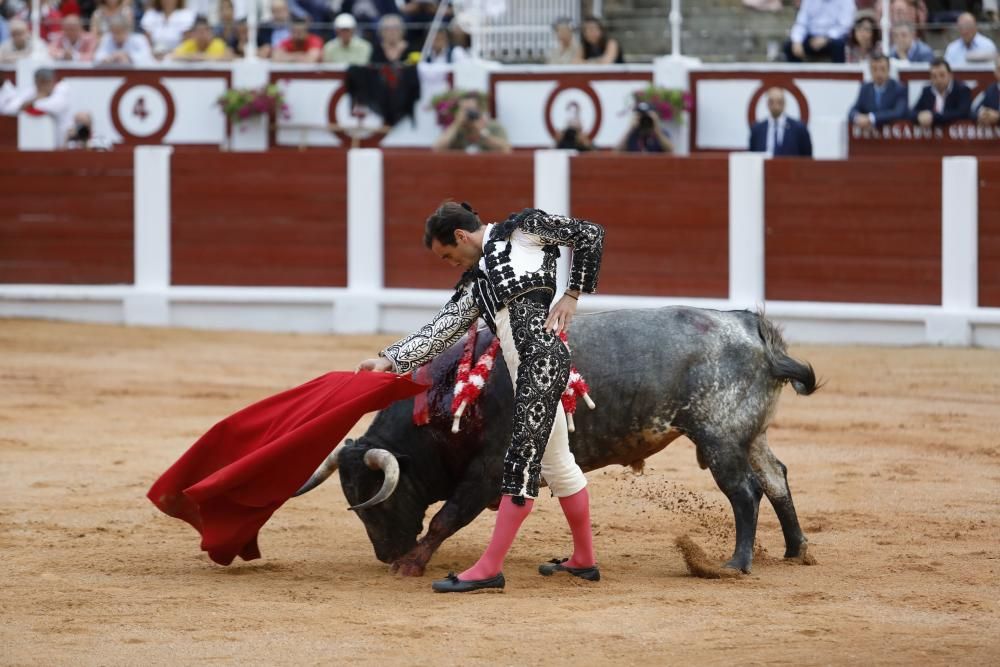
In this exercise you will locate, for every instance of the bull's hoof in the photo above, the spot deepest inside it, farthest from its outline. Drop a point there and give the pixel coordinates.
(408, 568)
(800, 555)
(739, 564)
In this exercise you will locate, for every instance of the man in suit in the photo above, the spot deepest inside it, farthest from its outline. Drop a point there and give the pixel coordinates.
(883, 100)
(988, 112)
(779, 135)
(945, 100)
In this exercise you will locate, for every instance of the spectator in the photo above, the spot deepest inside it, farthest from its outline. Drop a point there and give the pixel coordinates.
(597, 47)
(228, 28)
(108, 9)
(81, 135)
(944, 100)
(779, 135)
(460, 40)
(301, 46)
(988, 112)
(442, 51)
(72, 43)
(418, 15)
(4, 29)
(568, 50)
(19, 44)
(882, 100)
(347, 48)
(971, 46)
(369, 12)
(645, 134)
(473, 130)
(573, 137)
(46, 97)
(202, 45)
(865, 41)
(275, 31)
(913, 12)
(165, 23)
(820, 31)
(391, 47)
(906, 47)
(121, 46)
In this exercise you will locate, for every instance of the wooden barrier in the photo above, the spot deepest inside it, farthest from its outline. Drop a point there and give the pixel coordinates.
(864, 231)
(66, 218)
(666, 220)
(417, 182)
(989, 232)
(276, 219)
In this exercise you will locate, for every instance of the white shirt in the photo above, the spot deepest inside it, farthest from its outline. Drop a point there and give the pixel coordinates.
(939, 98)
(55, 105)
(781, 120)
(824, 18)
(982, 49)
(167, 32)
(136, 47)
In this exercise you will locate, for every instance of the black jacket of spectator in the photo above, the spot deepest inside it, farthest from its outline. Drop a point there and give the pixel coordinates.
(991, 99)
(890, 106)
(957, 105)
(795, 142)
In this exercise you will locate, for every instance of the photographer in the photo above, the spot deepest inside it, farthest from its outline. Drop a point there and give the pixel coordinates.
(473, 130)
(645, 134)
(81, 135)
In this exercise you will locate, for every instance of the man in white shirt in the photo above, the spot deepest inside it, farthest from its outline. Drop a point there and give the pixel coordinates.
(820, 31)
(121, 46)
(971, 46)
(45, 97)
(19, 44)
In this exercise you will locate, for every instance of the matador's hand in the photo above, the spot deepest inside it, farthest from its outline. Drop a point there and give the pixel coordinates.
(380, 364)
(561, 315)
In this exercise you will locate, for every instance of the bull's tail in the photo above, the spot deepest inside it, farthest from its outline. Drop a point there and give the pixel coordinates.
(784, 367)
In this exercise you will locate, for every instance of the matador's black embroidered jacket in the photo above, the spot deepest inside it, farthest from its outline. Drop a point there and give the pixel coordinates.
(519, 256)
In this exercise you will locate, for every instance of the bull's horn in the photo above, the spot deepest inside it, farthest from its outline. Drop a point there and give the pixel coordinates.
(384, 460)
(325, 469)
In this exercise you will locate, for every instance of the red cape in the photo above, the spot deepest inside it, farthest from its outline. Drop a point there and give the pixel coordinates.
(230, 482)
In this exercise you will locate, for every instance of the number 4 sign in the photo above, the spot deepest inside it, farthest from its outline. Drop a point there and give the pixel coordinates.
(142, 113)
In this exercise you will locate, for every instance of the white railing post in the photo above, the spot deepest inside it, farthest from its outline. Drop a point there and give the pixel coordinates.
(886, 25)
(675, 28)
(959, 252)
(746, 229)
(38, 52)
(358, 311)
(251, 49)
(148, 303)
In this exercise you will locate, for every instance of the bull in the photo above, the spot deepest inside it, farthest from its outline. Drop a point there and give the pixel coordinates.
(655, 375)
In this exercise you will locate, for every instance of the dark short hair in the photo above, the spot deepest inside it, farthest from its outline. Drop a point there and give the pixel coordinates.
(201, 20)
(449, 217)
(45, 74)
(879, 57)
(940, 62)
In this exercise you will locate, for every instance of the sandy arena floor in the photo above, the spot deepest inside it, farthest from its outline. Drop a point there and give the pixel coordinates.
(894, 466)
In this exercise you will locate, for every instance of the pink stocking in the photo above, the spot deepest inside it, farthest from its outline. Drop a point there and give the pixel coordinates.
(577, 510)
(509, 519)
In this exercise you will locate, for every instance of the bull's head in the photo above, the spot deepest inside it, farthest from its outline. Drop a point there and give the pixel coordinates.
(385, 498)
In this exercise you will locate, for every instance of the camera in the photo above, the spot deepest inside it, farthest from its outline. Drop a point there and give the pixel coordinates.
(472, 115)
(646, 121)
(81, 132)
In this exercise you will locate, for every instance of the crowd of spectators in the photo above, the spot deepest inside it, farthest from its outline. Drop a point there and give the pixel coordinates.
(303, 31)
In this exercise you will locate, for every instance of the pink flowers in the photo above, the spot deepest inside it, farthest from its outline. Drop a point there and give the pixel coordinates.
(242, 103)
(669, 103)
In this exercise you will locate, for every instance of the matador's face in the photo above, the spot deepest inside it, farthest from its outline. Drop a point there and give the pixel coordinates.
(465, 254)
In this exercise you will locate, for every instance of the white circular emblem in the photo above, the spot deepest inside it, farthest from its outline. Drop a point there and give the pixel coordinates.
(570, 106)
(142, 111)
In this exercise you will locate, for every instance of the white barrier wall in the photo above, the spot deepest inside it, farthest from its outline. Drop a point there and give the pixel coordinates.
(365, 306)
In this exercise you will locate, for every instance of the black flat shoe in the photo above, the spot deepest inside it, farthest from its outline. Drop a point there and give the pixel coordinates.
(452, 584)
(556, 565)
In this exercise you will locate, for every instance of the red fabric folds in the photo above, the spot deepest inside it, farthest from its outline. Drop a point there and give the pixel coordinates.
(230, 482)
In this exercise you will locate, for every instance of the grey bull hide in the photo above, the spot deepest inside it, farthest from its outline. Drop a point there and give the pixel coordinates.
(654, 374)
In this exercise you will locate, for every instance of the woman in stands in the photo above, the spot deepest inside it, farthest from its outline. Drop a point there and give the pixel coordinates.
(865, 39)
(107, 9)
(598, 48)
(165, 23)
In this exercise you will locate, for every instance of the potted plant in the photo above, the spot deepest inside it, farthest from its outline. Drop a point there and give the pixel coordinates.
(668, 103)
(445, 105)
(241, 104)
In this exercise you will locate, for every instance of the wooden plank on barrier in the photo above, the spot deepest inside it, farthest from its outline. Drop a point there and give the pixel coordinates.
(666, 219)
(989, 233)
(859, 231)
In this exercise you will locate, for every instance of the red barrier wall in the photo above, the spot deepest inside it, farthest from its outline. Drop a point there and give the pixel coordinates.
(989, 233)
(277, 219)
(417, 182)
(864, 231)
(66, 218)
(667, 222)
